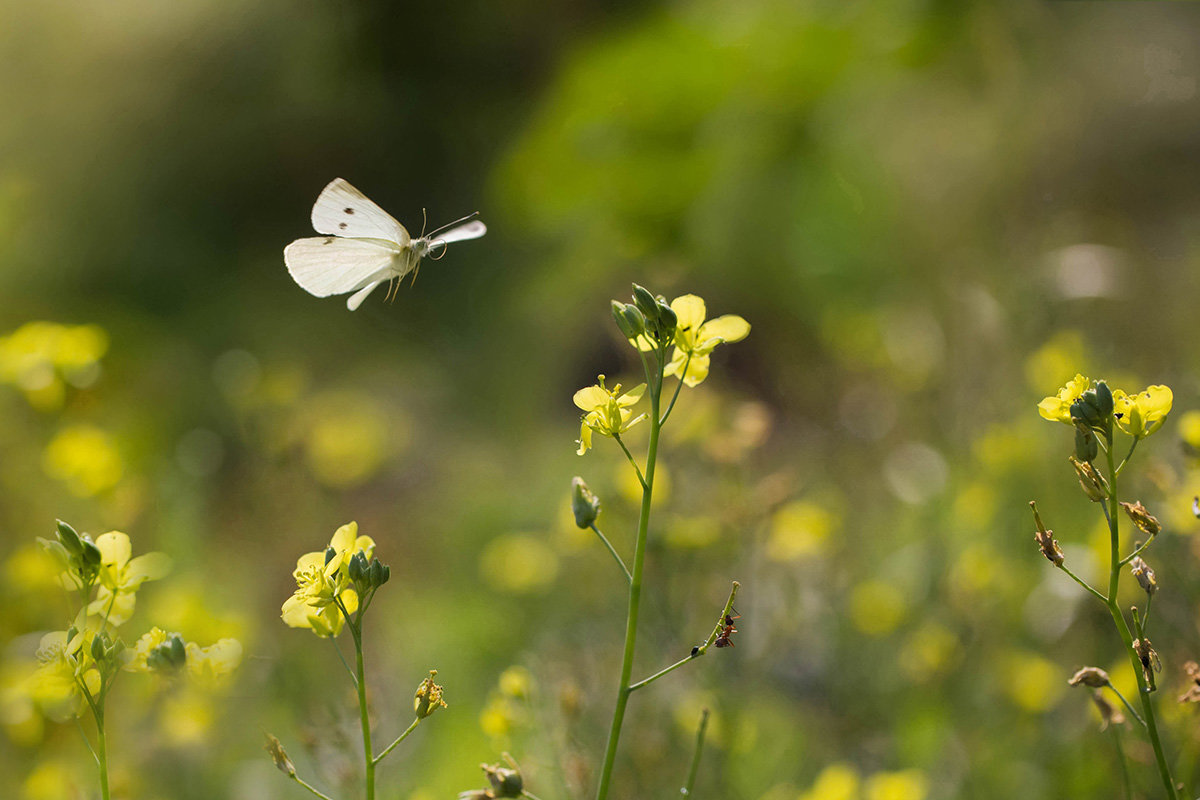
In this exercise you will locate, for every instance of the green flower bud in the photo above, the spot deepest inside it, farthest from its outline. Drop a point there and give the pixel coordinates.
(629, 320)
(584, 504)
(506, 782)
(358, 567)
(69, 538)
(169, 656)
(330, 554)
(380, 573)
(99, 647)
(91, 555)
(668, 320)
(1104, 396)
(1086, 446)
(646, 304)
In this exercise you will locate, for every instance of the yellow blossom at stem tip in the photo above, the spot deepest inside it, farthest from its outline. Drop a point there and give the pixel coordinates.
(696, 338)
(1142, 414)
(323, 584)
(1057, 408)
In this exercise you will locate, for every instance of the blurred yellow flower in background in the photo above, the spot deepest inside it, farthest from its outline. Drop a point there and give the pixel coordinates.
(877, 607)
(518, 563)
(349, 438)
(835, 782)
(85, 457)
(909, 784)
(40, 357)
(799, 529)
(64, 664)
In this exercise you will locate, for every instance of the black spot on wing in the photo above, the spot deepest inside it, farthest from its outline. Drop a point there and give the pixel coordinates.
(328, 240)
(348, 210)
(342, 225)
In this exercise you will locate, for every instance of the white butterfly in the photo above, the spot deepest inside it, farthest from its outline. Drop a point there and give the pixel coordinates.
(363, 246)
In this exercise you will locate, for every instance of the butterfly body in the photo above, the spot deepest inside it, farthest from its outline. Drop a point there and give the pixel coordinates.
(362, 247)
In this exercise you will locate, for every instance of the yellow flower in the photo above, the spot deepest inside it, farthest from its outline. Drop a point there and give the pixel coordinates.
(64, 664)
(1058, 407)
(606, 411)
(696, 338)
(121, 576)
(159, 651)
(86, 458)
(321, 581)
(1142, 414)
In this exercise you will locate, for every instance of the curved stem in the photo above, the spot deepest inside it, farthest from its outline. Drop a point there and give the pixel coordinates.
(632, 460)
(635, 587)
(660, 673)
(613, 550)
(298, 780)
(399, 739)
(1084, 584)
(682, 374)
(1128, 707)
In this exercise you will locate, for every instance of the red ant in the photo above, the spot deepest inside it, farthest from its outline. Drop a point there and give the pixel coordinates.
(724, 639)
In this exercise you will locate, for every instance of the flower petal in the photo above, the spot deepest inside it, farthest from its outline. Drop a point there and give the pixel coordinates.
(590, 398)
(343, 537)
(147, 567)
(114, 548)
(690, 310)
(729, 328)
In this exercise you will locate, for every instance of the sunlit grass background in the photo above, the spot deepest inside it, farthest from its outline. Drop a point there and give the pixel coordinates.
(933, 214)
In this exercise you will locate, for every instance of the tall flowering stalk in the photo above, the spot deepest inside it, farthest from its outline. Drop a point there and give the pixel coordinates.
(1096, 412)
(671, 340)
(334, 589)
(78, 666)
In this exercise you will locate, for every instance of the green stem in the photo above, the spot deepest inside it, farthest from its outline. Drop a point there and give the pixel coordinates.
(363, 714)
(399, 739)
(341, 658)
(698, 651)
(1136, 552)
(1128, 707)
(686, 791)
(613, 550)
(1116, 731)
(678, 386)
(635, 586)
(1123, 626)
(1084, 584)
(323, 796)
(632, 460)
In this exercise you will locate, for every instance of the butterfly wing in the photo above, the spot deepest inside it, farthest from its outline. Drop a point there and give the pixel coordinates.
(326, 265)
(472, 230)
(355, 300)
(342, 210)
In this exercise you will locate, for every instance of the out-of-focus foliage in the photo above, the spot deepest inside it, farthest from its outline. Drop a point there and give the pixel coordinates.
(934, 214)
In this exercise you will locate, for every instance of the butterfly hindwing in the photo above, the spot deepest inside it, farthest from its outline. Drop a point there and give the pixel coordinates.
(342, 210)
(327, 265)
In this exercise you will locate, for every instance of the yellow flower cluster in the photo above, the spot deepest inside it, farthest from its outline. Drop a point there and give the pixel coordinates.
(323, 585)
(1138, 415)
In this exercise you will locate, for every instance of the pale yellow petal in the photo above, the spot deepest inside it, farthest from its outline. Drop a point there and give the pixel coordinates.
(590, 398)
(690, 310)
(343, 537)
(729, 328)
(147, 567)
(114, 548)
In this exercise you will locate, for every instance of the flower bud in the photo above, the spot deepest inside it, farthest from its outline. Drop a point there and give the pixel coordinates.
(69, 538)
(1104, 399)
(1092, 482)
(1144, 574)
(1090, 676)
(91, 555)
(380, 573)
(584, 504)
(280, 756)
(646, 304)
(1146, 523)
(1086, 446)
(667, 320)
(428, 698)
(169, 656)
(629, 319)
(358, 567)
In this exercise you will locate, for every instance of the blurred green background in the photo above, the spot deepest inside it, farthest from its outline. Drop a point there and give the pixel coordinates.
(933, 214)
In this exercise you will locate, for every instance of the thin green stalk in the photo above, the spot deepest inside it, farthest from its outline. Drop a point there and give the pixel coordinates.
(363, 714)
(1123, 627)
(341, 658)
(1116, 731)
(399, 739)
(298, 780)
(613, 550)
(100, 753)
(697, 652)
(686, 791)
(1136, 552)
(632, 460)
(1084, 583)
(635, 585)
(678, 386)
(1128, 707)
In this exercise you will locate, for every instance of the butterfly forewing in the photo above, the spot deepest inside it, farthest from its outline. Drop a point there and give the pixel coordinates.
(342, 210)
(327, 265)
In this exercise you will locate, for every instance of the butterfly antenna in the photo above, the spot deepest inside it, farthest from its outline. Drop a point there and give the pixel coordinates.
(424, 220)
(472, 215)
(440, 253)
